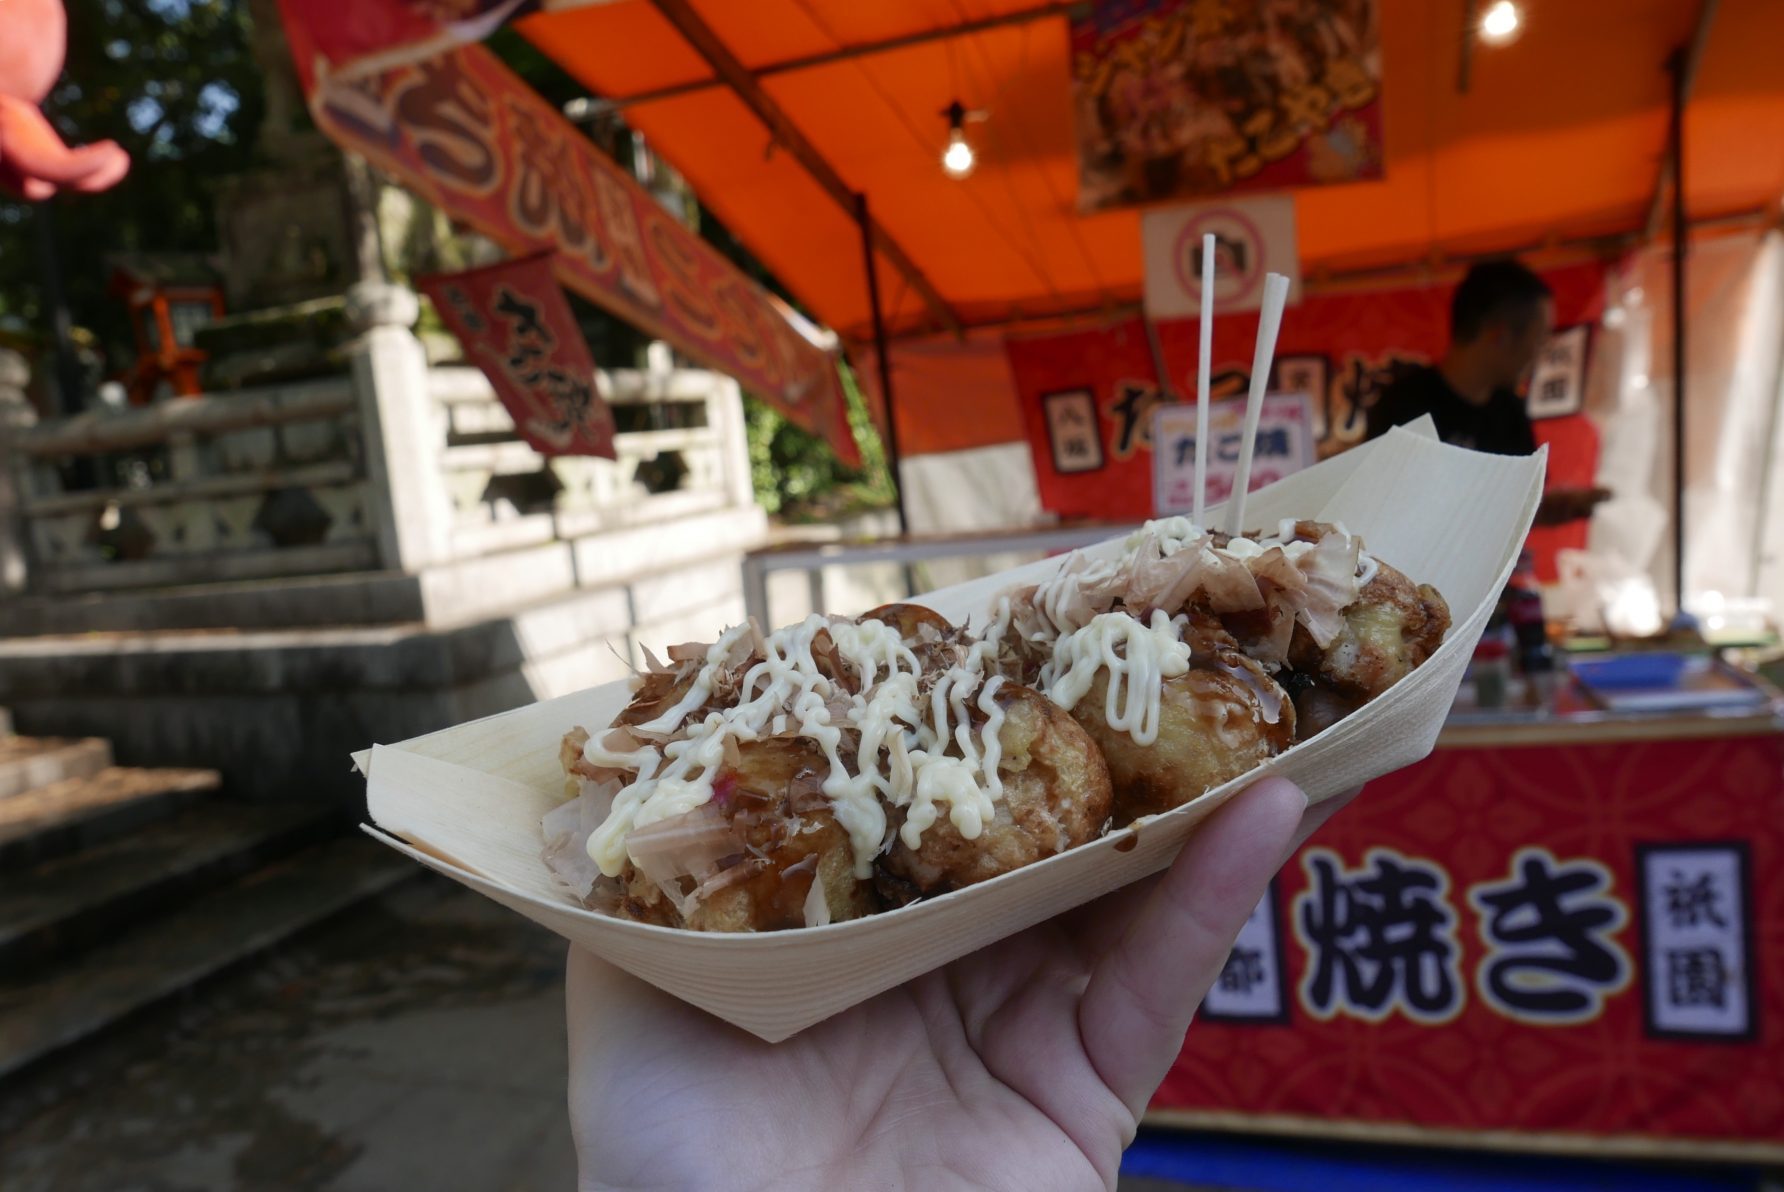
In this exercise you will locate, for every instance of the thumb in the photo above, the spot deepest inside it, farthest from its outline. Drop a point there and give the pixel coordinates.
(1145, 989)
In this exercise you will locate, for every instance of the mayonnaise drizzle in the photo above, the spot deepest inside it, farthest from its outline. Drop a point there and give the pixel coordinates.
(1138, 657)
(911, 756)
(914, 755)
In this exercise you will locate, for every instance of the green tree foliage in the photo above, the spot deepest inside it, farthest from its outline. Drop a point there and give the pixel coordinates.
(797, 475)
(794, 472)
(173, 82)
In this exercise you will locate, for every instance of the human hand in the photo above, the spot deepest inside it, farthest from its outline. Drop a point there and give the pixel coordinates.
(1025, 1065)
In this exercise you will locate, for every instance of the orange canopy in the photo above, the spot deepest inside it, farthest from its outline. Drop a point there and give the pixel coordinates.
(1560, 135)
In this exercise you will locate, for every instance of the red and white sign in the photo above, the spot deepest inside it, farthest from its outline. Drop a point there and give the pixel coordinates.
(1252, 237)
(1338, 349)
(1501, 943)
(514, 324)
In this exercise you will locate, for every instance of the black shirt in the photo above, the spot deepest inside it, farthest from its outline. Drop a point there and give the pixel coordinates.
(1501, 427)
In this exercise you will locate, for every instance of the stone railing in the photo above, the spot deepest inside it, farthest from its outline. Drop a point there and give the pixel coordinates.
(680, 446)
(241, 486)
(391, 467)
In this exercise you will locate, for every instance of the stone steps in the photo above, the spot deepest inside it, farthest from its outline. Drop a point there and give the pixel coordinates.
(27, 763)
(278, 711)
(154, 961)
(120, 887)
(78, 812)
(68, 903)
(358, 598)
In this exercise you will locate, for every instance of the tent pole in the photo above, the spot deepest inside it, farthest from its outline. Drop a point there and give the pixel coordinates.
(1465, 65)
(1693, 56)
(1154, 346)
(1680, 69)
(883, 358)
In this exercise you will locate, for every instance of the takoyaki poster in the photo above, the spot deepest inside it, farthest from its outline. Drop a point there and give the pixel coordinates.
(1177, 98)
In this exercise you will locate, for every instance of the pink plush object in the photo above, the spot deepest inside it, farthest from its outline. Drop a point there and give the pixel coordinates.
(34, 162)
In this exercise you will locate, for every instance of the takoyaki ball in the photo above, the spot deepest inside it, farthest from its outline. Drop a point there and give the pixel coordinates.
(1317, 706)
(936, 644)
(1223, 717)
(760, 845)
(1391, 628)
(910, 620)
(1055, 796)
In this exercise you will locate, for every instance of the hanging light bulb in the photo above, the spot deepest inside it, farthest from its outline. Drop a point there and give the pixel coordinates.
(1501, 22)
(958, 159)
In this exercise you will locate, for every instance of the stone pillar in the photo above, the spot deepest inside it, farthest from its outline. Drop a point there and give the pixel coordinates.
(15, 414)
(404, 429)
(725, 409)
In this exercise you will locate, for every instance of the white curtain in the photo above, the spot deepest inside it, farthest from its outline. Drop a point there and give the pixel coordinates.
(984, 488)
(1734, 320)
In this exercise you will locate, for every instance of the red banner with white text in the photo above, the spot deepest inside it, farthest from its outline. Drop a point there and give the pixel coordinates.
(467, 134)
(1340, 349)
(1580, 939)
(513, 323)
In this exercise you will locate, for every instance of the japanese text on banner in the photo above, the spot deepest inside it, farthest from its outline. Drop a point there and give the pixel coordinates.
(514, 323)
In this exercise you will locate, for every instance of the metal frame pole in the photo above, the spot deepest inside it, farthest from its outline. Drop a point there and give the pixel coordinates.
(884, 359)
(1681, 242)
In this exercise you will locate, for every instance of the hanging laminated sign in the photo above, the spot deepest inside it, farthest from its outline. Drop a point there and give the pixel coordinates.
(513, 322)
(1341, 350)
(1175, 98)
(1284, 445)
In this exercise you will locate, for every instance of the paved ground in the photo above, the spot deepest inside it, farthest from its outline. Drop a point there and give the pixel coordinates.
(417, 1043)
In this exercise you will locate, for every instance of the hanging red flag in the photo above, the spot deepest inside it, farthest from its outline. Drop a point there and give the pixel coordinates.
(513, 322)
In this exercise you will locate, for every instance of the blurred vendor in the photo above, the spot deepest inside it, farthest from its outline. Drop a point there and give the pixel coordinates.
(1500, 318)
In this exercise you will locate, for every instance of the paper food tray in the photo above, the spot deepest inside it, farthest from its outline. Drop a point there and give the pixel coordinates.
(467, 801)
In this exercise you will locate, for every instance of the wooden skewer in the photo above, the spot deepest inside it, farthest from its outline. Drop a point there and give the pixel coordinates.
(1202, 372)
(1268, 324)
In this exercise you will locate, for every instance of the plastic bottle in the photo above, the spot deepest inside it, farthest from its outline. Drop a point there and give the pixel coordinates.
(1492, 672)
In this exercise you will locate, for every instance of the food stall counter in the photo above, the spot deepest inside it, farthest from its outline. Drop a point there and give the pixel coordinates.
(1563, 930)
